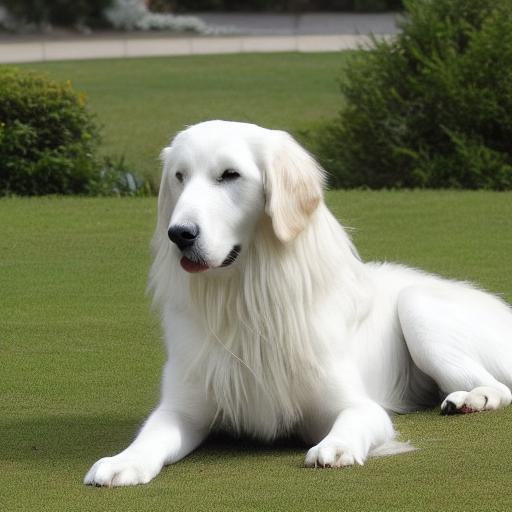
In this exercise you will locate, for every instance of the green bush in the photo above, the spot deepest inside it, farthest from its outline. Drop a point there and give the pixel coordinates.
(433, 107)
(48, 142)
(47, 136)
(58, 12)
(116, 178)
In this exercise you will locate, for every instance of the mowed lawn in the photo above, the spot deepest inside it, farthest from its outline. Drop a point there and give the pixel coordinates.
(81, 358)
(142, 103)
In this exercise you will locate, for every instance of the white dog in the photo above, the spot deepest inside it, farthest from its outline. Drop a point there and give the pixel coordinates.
(275, 326)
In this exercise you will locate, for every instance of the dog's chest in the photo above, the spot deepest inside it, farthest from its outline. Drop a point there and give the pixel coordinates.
(256, 394)
(259, 355)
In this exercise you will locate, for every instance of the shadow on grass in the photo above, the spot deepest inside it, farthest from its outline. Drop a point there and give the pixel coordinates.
(89, 437)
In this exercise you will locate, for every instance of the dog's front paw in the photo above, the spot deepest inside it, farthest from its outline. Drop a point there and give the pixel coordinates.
(120, 470)
(332, 453)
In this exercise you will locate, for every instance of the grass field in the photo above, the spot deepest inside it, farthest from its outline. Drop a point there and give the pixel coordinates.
(81, 362)
(141, 103)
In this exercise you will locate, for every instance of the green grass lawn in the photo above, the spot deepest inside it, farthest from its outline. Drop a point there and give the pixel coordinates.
(81, 358)
(141, 103)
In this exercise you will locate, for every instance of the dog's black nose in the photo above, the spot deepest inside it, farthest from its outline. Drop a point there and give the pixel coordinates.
(183, 235)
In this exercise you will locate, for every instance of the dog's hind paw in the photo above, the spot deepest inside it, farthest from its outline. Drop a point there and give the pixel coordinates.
(483, 398)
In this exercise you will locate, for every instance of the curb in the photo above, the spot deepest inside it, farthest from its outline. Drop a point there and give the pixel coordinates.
(130, 48)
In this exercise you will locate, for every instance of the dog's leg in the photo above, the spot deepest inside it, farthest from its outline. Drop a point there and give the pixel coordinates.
(165, 438)
(178, 425)
(357, 430)
(459, 343)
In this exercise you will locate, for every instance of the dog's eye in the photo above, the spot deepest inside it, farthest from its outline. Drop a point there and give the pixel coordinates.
(179, 176)
(228, 175)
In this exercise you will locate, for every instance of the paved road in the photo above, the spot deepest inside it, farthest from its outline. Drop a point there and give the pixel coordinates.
(254, 33)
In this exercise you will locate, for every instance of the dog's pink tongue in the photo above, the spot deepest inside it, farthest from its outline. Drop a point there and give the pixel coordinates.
(192, 266)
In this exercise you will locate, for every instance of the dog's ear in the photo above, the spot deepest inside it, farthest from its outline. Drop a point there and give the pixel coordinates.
(293, 184)
(160, 245)
(164, 197)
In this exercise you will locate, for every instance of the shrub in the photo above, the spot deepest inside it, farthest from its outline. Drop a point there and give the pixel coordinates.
(48, 142)
(276, 5)
(432, 108)
(47, 136)
(57, 12)
(116, 178)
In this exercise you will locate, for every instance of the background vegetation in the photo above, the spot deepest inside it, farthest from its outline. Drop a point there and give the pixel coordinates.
(279, 5)
(49, 141)
(30, 14)
(58, 12)
(47, 137)
(432, 108)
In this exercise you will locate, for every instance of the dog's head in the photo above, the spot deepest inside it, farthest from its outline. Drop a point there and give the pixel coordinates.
(221, 178)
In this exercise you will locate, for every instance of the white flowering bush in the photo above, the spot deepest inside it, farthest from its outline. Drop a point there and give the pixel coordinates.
(125, 14)
(134, 15)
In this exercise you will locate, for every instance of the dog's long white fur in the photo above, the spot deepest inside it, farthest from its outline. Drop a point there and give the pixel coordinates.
(299, 336)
